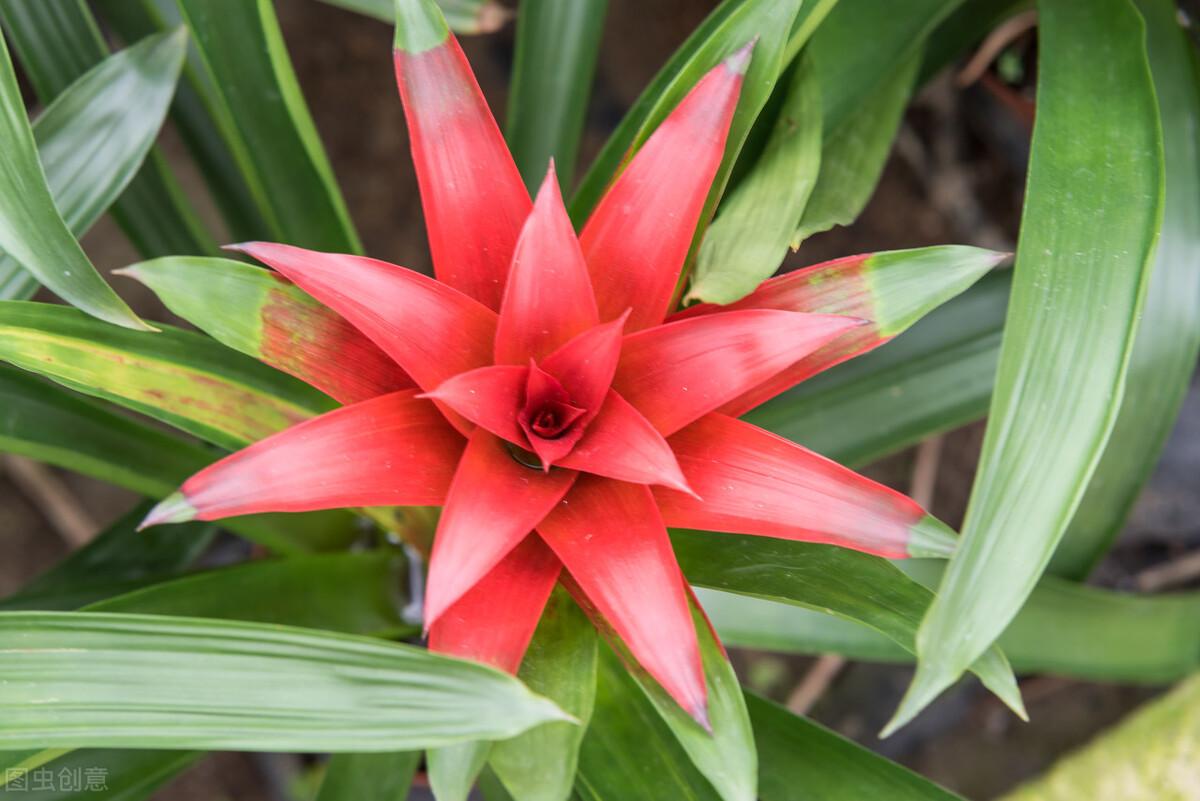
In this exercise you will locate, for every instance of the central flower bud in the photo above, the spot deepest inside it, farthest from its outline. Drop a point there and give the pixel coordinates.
(548, 417)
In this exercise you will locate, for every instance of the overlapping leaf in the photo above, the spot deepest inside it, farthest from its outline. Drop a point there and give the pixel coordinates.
(120, 680)
(1168, 335)
(31, 230)
(1087, 237)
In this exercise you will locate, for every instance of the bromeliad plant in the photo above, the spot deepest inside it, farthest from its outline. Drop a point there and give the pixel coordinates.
(573, 403)
(560, 414)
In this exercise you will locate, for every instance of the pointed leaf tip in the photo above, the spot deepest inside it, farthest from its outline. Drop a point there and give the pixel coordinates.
(931, 538)
(175, 508)
(739, 61)
(420, 26)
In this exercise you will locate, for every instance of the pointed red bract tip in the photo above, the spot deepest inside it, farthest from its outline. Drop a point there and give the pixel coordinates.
(175, 508)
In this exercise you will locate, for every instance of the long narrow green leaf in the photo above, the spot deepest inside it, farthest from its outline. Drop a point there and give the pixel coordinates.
(369, 777)
(120, 559)
(463, 16)
(58, 42)
(802, 761)
(853, 159)
(90, 154)
(276, 146)
(934, 377)
(853, 64)
(31, 229)
(560, 664)
(47, 423)
(725, 756)
(1168, 333)
(730, 26)
(202, 119)
(141, 681)
(182, 378)
(1066, 629)
(749, 237)
(628, 753)
(555, 61)
(849, 584)
(97, 775)
(358, 593)
(1091, 218)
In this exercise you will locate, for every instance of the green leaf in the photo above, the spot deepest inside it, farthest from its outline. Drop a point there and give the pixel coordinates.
(853, 64)
(852, 585)
(726, 755)
(802, 761)
(629, 753)
(44, 422)
(179, 377)
(58, 42)
(141, 681)
(560, 664)
(729, 27)
(272, 137)
(369, 777)
(360, 593)
(1087, 236)
(1151, 756)
(853, 158)
(31, 230)
(118, 560)
(749, 238)
(1064, 628)
(198, 113)
(453, 768)
(1168, 335)
(463, 16)
(555, 61)
(124, 775)
(90, 154)
(934, 377)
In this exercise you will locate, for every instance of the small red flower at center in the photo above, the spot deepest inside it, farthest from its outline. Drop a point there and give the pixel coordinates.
(559, 415)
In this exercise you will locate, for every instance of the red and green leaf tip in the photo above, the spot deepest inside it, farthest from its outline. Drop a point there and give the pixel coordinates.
(560, 416)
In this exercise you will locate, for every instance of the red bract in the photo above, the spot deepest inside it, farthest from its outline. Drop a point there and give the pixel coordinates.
(561, 420)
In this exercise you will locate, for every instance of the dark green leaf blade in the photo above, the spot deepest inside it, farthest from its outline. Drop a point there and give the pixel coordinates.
(118, 560)
(31, 229)
(849, 584)
(89, 154)
(629, 753)
(756, 221)
(1091, 218)
(45, 422)
(143, 681)
(58, 41)
(369, 777)
(276, 144)
(560, 664)
(1065, 629)
(555, 61)
(98, 775)
(1168, 336)
(802, 761)
(198, 113)
(932, 378)
(852, 160)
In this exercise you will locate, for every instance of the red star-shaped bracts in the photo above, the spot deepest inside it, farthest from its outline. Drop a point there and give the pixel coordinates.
(560, 418)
